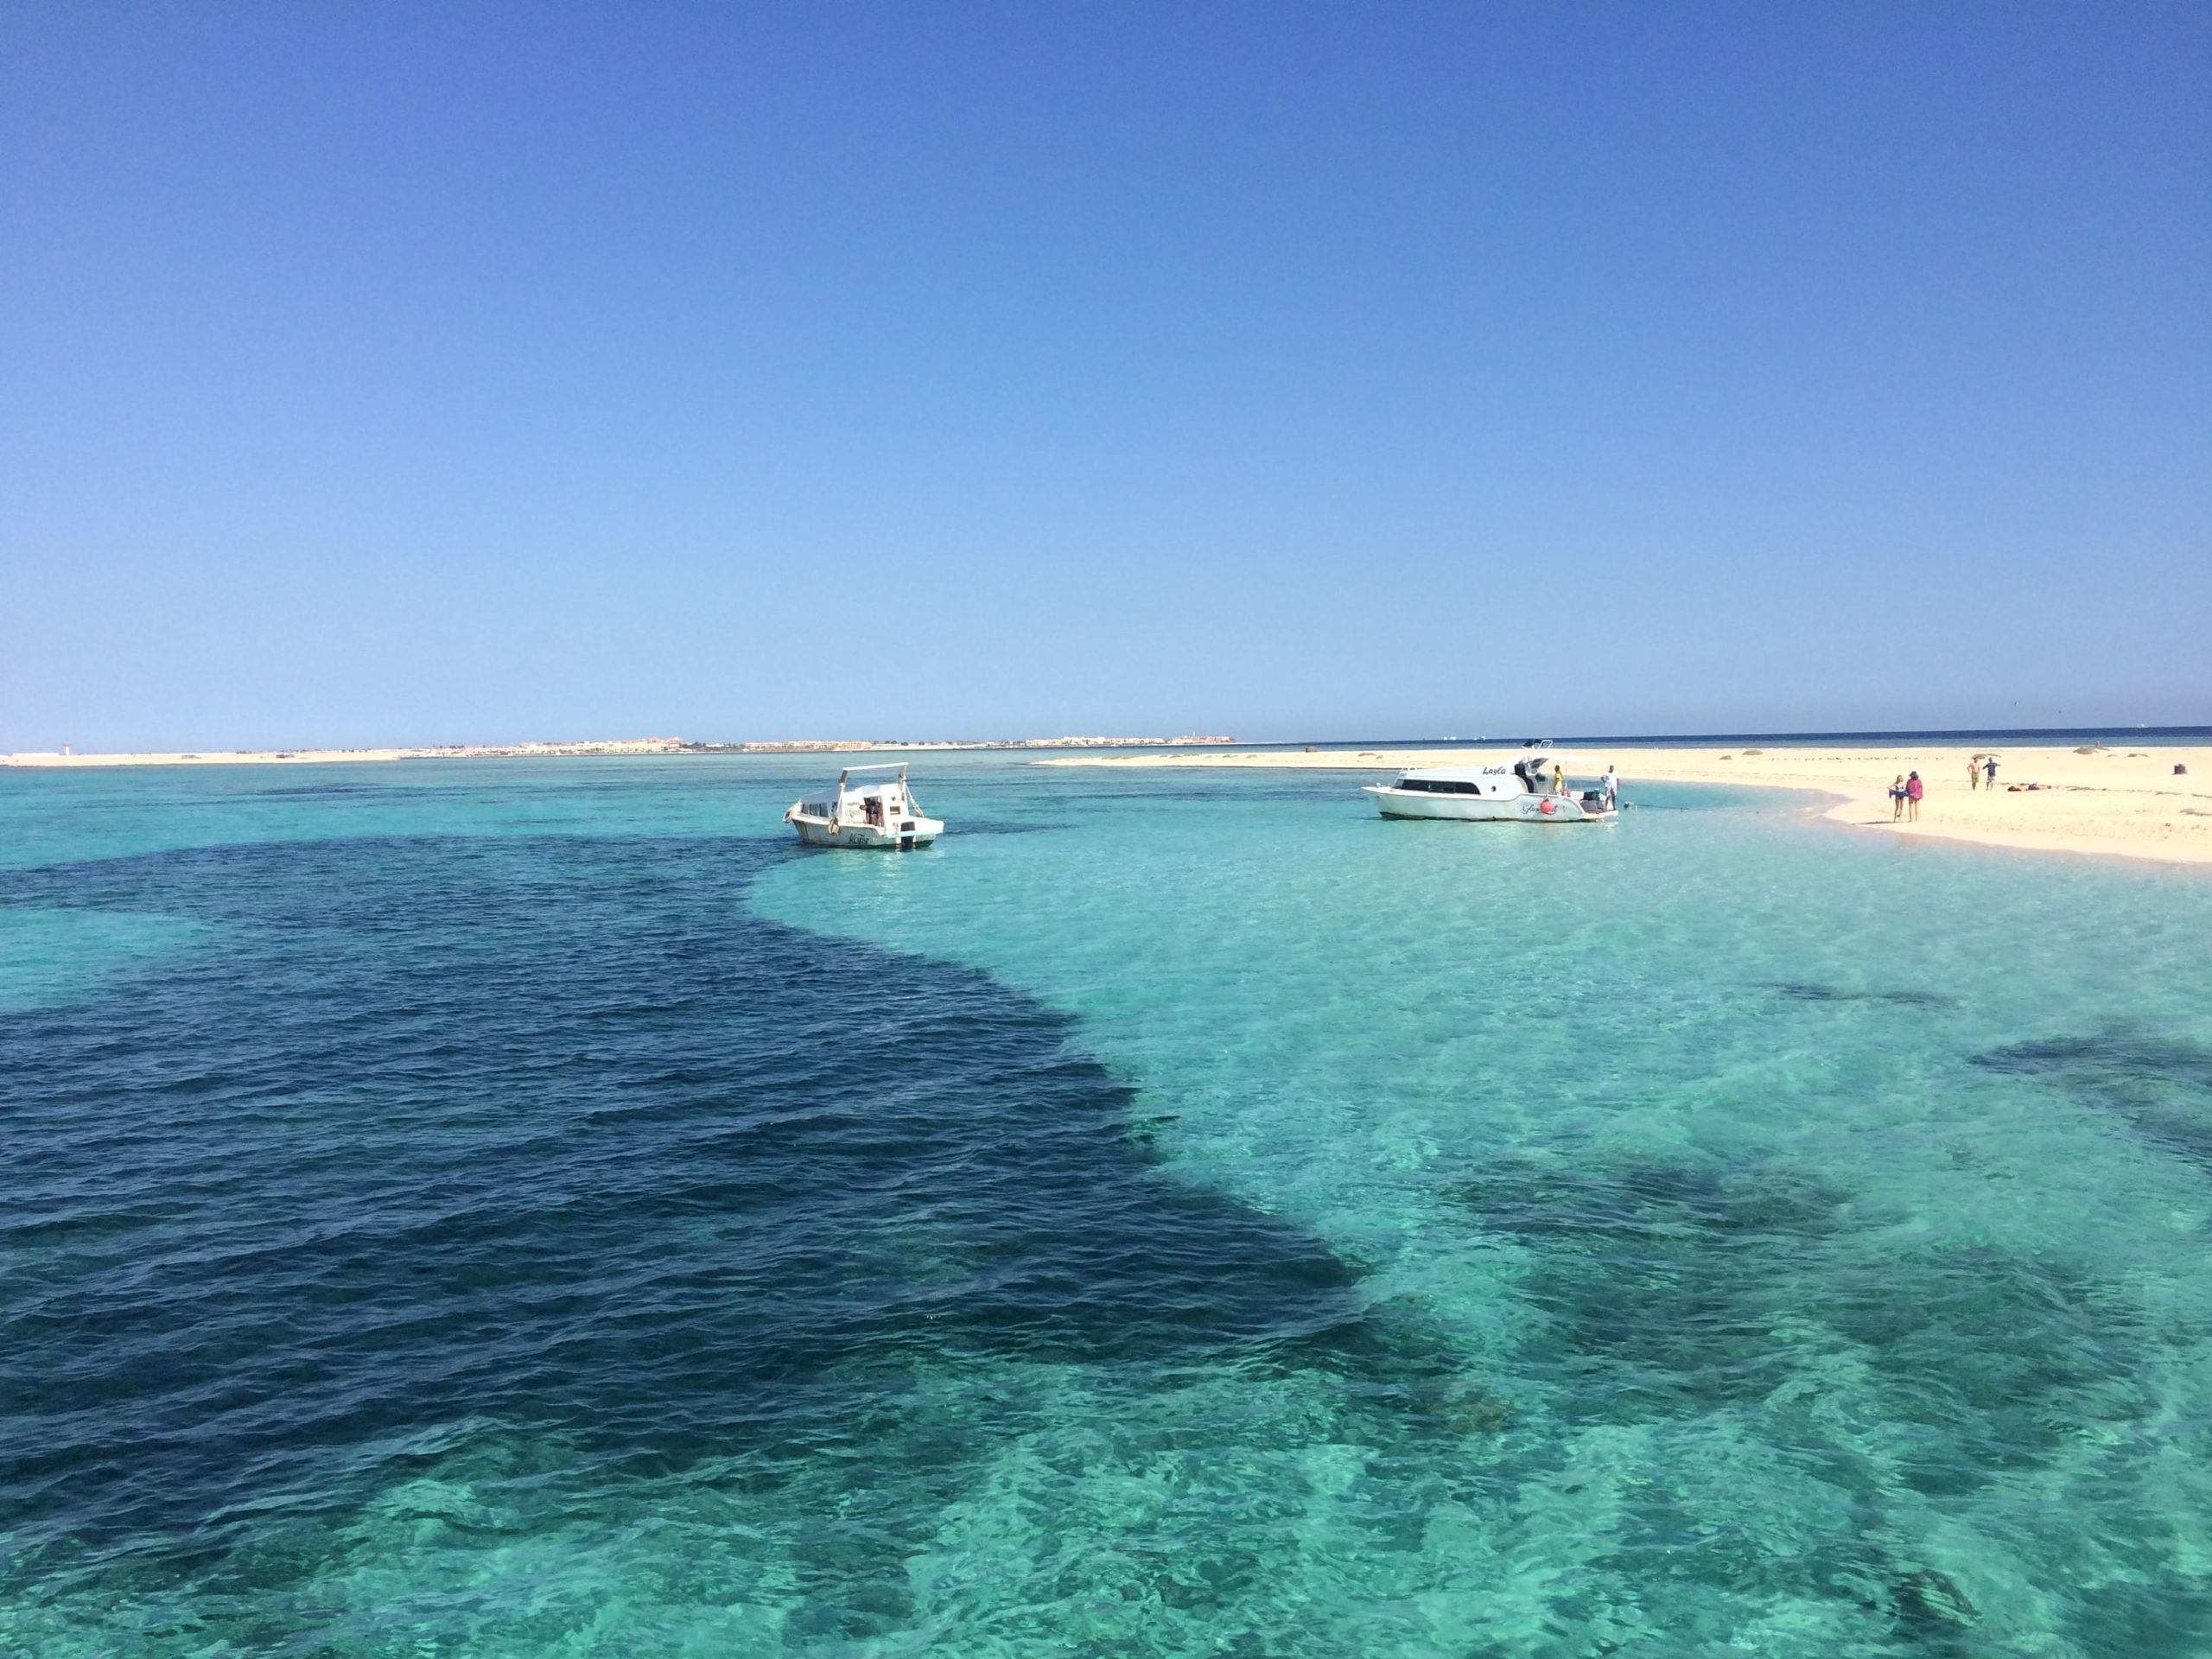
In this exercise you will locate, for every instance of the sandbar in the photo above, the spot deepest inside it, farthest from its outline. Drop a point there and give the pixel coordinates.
(2116, 801)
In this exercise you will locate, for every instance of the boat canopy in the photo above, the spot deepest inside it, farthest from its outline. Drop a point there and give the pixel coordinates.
(899, 766)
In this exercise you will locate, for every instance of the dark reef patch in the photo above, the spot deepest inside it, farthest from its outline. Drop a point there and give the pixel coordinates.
(1805, 993)
(551, 1133)
(1665, 1204)
(1664, 1290)
(2010, 1360)
(1658, 1285)
(2116, 1059)
(2161, 1087)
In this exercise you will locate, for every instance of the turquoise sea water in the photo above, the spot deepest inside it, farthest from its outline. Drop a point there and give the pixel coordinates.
(531, 1209)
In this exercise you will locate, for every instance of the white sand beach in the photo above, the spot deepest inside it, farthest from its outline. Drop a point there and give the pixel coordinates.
(2116, 801)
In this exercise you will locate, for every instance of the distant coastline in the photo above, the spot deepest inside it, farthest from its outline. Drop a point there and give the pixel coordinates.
(591, 747)
(814, 746)
(2068, 736)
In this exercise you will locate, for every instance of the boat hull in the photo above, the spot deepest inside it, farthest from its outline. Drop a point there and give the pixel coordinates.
(1482, 809)
(893, 837)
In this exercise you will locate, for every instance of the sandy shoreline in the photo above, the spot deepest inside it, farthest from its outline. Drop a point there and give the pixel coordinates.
(2119, 802)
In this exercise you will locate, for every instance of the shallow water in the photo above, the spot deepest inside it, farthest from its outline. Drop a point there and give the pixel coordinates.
(529, 1208)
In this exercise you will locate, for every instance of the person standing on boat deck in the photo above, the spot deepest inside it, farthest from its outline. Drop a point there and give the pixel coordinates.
(1559, 778)
(1914, 789)
(1611, 783)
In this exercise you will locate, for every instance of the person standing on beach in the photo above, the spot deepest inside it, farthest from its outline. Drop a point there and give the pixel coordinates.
(1991, 768)
(1896, 798)
(1914, 789)
(1974, 772)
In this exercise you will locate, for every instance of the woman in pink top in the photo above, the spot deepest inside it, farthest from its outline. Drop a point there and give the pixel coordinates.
(1914, 789)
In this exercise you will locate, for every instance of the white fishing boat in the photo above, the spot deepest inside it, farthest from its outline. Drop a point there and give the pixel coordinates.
(1511, 789)
(880, 816)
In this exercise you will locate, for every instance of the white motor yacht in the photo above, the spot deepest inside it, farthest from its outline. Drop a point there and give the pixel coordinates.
(1515, 788)
(880, 816)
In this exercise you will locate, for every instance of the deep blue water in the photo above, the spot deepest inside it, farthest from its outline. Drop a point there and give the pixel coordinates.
(554, 1134)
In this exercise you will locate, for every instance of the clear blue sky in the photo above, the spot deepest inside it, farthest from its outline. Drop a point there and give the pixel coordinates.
(380, 372)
